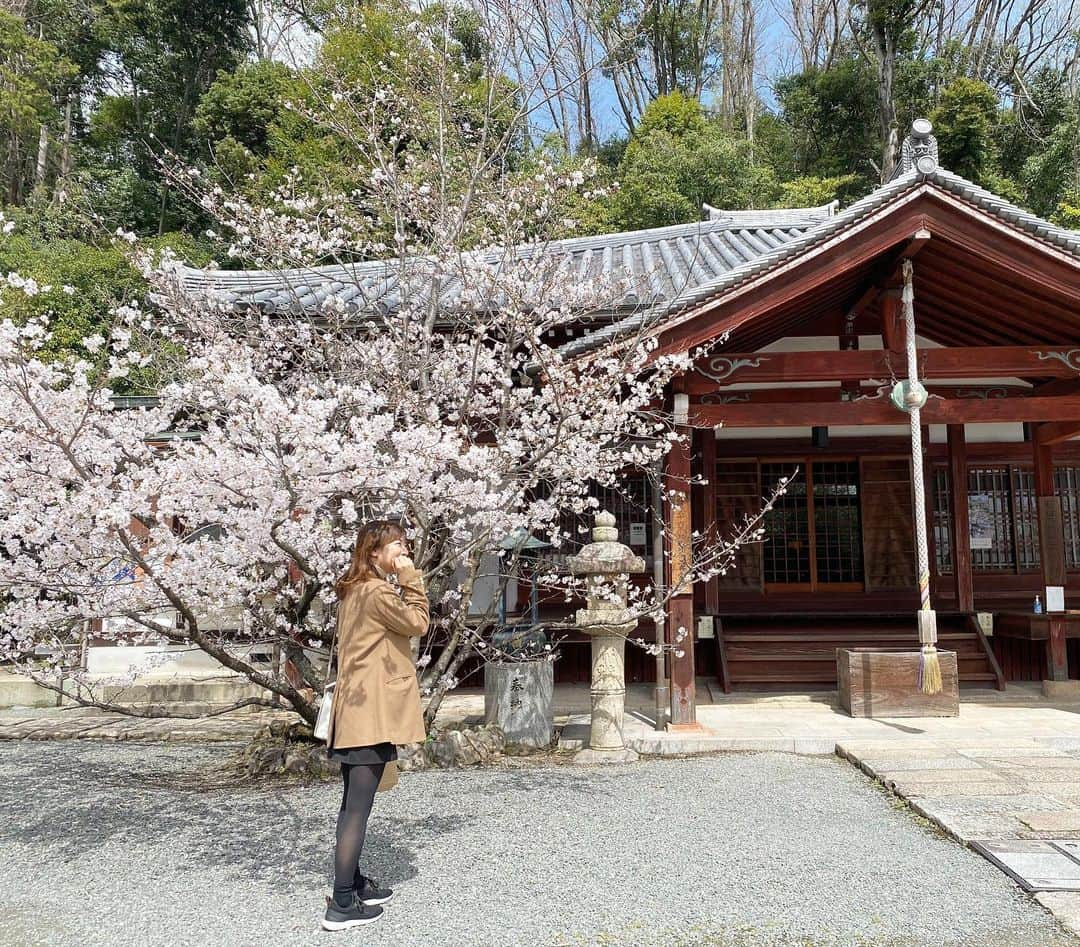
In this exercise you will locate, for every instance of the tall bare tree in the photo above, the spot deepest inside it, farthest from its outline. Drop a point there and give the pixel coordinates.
(817, 28)
(884, 22)
(558, 52)
(654, 47)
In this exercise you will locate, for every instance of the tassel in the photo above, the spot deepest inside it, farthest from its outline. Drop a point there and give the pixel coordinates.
(929, 670)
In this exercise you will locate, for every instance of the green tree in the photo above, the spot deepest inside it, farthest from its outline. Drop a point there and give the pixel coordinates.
(811, 191)
(831, 114)
(889, 26)
(379, 67)
(244, 104)
(1067, 213)
(78, 283)
(1045, 104)
(678, 160)
(236, 115)
(32, 76)
(1051, 177)
(964, 123)
(168, 53)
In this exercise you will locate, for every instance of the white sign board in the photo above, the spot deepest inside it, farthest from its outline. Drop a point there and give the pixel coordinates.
(981, 520)
(1055, 598)
(638, 534)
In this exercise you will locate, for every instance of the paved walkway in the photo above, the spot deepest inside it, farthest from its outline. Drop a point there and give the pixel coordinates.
(814, 723)
(800, 723)
(1018, 787)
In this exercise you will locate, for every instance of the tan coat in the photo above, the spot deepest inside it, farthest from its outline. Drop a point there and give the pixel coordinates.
(377, 698)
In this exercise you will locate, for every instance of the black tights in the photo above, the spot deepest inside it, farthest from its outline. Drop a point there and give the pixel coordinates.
(360, 783)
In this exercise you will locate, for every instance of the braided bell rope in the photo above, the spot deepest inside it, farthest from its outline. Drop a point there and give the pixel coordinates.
(921, 546)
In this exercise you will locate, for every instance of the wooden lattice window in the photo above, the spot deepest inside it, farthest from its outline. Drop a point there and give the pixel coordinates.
(812, 534)
(837, 538)
(990, 516)
(786, 551)
(738, 496)
(942, 522)
(1003, 517)
(1025, 518)
(1067, 486)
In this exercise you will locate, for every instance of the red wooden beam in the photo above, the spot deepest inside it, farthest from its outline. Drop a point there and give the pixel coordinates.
(1056, 431)
(881, 411)
(833, 393)
(1060, 386)
(726, 368)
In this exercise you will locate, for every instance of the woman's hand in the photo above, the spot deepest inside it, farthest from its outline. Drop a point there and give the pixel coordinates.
(404, 562)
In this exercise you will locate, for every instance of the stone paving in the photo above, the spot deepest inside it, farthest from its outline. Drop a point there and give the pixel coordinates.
(980, 789)
(814, 724)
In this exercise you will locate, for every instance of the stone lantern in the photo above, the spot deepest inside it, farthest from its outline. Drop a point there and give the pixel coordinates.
(606, 564)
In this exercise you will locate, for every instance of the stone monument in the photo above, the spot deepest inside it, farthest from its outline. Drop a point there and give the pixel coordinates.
(606, 564)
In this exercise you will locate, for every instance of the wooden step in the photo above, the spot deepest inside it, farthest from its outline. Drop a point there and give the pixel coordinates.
(823, 654)
(908, 637)
(801, 650)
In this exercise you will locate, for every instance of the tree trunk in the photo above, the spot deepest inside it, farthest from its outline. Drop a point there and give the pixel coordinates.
(885, 50)
(42, 156)
(442, 686)
(746, 68)
(65, 152)
(728, 58)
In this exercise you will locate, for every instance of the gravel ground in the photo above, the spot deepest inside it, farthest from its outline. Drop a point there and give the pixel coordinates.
(107, 844)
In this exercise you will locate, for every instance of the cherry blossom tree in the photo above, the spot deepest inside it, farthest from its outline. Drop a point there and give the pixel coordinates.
(430, 385)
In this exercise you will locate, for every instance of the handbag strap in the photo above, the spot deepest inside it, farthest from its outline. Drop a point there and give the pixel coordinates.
(333, 646)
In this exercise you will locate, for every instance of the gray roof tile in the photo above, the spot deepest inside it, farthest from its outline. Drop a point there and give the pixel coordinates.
(660, 263)
(804, 240)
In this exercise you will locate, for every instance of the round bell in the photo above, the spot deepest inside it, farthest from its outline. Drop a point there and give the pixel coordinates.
(907, 397)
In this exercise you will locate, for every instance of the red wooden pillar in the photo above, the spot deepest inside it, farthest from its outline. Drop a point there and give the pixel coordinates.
(1052, 555)
(710, 527)
(961, 528)
(680, 613)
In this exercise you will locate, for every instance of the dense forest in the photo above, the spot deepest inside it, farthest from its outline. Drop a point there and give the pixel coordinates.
(735, 103)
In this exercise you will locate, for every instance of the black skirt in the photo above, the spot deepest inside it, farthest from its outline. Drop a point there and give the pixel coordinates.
(363, 755)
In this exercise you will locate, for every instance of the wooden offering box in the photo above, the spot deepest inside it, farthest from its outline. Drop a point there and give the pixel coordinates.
(886, 684)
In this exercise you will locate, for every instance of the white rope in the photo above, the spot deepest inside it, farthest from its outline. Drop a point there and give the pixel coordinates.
(922, 555)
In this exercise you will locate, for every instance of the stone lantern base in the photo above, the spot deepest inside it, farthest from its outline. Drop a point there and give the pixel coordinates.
(591, 757)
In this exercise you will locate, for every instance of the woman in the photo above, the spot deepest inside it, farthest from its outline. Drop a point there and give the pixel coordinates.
(376, 701)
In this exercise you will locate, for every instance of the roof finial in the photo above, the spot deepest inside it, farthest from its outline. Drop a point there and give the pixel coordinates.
(919, 151)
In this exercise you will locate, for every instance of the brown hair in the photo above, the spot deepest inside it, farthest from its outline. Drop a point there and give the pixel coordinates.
(371, 538)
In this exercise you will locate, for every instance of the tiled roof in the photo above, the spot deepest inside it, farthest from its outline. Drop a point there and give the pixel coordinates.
(661, 264)
(776, 217)
(650, 317)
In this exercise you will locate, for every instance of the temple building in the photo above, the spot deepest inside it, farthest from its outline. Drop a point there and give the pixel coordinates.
(808, 305)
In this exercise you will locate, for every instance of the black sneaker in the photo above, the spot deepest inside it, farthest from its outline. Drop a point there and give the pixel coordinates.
(370, 892)
(338, 918)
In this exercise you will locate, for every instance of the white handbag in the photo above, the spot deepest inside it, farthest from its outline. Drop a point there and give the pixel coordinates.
(326, 711)
(326, 705)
